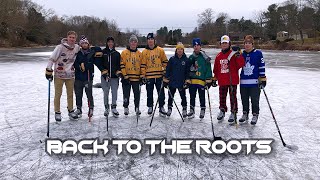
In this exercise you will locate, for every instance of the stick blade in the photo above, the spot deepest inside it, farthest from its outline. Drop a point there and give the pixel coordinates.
(217, 138)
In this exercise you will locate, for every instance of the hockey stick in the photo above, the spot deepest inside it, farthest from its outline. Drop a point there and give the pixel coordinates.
(154, 110)
(293, 147)
(175, 104)
(214, 137)
(88, 98)
(137, 113)
(231, 87)
(48, 118)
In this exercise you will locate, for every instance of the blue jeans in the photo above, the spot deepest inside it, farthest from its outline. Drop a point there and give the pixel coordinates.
(193, 92)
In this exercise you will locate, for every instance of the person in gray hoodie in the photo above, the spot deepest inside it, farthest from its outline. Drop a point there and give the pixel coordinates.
(63, 58)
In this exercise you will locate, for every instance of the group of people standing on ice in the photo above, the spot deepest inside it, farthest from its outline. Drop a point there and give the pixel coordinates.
(74, 67)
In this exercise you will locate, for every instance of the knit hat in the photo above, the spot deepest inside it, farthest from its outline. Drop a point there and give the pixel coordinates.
(133, 38)
(180, 46)
(225, 38)
(110, 38)
(150, 36)
(196, 41)
(83, 39)
(249, 38)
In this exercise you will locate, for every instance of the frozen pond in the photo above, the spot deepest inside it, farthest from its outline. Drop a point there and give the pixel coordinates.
(292, 88)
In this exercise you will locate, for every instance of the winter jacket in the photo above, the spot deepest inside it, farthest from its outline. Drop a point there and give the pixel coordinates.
(222, 66)
(200, 69)
(63, 57)
(155, 61)
(88, 58)
(131, 64)
(253, 69)
(177, 71)
(111, 61)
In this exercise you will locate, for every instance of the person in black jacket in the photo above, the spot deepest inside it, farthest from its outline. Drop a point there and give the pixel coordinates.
(177, 77)
(84, 71)
(111, 61)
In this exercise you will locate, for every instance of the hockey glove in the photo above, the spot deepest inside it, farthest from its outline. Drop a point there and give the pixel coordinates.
(49, 75)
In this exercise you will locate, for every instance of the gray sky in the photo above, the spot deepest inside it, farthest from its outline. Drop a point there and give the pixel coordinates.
(148, 16)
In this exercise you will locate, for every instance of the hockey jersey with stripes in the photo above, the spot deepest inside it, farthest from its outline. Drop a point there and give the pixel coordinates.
(253, 69)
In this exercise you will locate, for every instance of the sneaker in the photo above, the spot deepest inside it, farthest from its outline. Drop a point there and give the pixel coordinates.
(126, 111)
(169, 111)
(114, 111)
(73, 114)
(231, 118)
(244, 117)
(191, 113)
(79, 112)
(150, 110)
(57, 116)
(162, 112)
(221, 115)
(254, 119)
(138, 112)
(202, 113)
(184, 112)
(90, 112)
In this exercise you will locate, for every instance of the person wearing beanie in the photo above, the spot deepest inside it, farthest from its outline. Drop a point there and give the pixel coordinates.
(226, 66)
(155, 61)
(84, 71)
(201, 77)
(111, 62)
(177, 78)
(132, 71)
(252, 78)
(63, 57)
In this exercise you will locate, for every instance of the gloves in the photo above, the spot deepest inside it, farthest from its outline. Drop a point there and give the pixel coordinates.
(165, 84)
(119, 74)
(262, 82)
(49, 75)
(143, 81)
(125, 81)
(238, 49)
(186, 84)
(214, 83)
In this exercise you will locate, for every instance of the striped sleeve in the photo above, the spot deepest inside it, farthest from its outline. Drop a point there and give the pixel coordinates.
(262, 68)
(143, 65)
(123, 65)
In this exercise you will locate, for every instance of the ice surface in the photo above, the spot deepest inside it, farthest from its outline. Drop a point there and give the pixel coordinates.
(292, 88)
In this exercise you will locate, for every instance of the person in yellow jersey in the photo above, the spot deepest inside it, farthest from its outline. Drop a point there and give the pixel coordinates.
(131, 74)
(156, 62)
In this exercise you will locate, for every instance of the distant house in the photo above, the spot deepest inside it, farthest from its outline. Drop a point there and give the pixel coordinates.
(282, 36)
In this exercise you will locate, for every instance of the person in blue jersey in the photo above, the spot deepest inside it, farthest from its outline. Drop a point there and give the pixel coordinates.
(252, 79)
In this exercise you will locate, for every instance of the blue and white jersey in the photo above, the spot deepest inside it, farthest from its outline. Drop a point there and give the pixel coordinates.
(253, 69)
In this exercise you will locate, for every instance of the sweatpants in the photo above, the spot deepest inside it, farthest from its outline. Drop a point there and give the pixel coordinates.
(58, 84)
(150, 86)
(193, 93)
(223, 91)
(78, 89)
(136, 93)
(183, 97)
(114, 83)
(254, 94)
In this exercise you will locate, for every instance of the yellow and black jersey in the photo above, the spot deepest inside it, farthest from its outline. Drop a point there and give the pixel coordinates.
(131, 64)
(155, 61)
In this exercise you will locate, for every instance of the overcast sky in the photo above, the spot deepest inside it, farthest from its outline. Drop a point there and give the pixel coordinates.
(148, 16)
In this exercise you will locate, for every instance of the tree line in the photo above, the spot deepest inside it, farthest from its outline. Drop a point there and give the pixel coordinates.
(23, 22)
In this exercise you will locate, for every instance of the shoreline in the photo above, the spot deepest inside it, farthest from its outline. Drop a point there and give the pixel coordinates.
(294, 48)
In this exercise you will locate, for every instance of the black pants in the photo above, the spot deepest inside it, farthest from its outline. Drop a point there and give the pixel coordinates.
(193, 92)
(78, 89)
(150, 86)
(182, 93)
(126, 93)
(254, 94)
